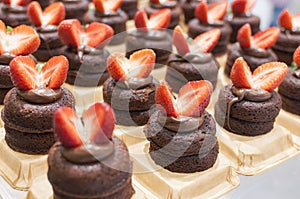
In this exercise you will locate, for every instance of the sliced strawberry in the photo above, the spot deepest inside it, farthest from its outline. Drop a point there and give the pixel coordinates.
(96, 34)
(244, 36)
(242, 6)
(158, 20)
(194, 97)
(16, 2)
(296, 56)
(54, 72)
(269, 76)
(207, 41)
(141, 20)
(2, 36)
(65, 125)
(285, 19)
(140, 64)
(107, 5)
(201, 12)
(214, 12)
(69, 32)
(35, 12)
(180, 41)
(23, 73)
(99, 122)
(240, 74)
(267, 38)
(164, 97)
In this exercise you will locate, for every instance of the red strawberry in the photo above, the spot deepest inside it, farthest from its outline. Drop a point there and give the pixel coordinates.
(214, 12)
(267, 38)
(296, 20)
(240, 74)
(158, 20)
(99, 121)
(2, 36)
(65, 125)
(52, 15)
(164, 97)
(55, 71)
(140, 64)
(180, 41)
(23, 73)
(285, 19)
(16, 2)
(194, 97)
(242, 6)
(69, 32)
(296, 56)
(207, 41)
(244, 36)
(107, 5)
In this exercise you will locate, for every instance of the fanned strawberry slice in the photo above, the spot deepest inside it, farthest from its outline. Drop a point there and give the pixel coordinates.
(267, 38)
(66, 126)
(107, 5)
(99, 122)
(164, 97)
(16, 2)
(139, 65)
(55, 71)
(242, 6)
(157, 20)
(69, 32)
(288, 21)
(180, 41)
(194, 97)
(23, 73)
(52, 15)
(205, 42)
(296, 56)
(214, 12)
(240, 74)
(244, 36)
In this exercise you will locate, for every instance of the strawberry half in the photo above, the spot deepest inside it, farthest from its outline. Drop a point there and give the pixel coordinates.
(107, 5)
(52, 15)
(157, 20)
(26, 76)
(192, 99)
(267, 76)
(16, 2)
(180, 42)
(94, 35)
(65, 125)
(244, 36)
(99, 122)
(296, 56)
(139, 65)
(214, 12)
(288, 21)
(242, 6)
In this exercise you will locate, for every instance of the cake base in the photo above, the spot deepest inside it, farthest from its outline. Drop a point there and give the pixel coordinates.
(41, 188)
(253, 155)
(157, 182)
(20, 169)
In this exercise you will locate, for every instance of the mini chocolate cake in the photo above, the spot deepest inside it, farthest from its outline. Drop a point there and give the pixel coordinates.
(174, 6)
(110, 178)
(188, 8)
(13, 15)
(28, 125)
(75, 9)
(130, 7)
(183, 152)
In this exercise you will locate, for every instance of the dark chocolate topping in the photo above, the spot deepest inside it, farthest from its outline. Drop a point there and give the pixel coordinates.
(151, 35)
(14, 8)
(70, 1)
(84, 49)
(106, 14)
(199, 58)
(296, 73)
(40, 95)
(256, 52)
(216, 23)
(135, 83)
(45, 29)
(182, 124)
(166, 4)
(88, 153)
(6, 58)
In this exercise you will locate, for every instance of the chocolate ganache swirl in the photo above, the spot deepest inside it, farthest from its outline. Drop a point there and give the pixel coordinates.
(41, 95)
(255, 52)
(199, 58)
(45, 29)
(296, 73)
(166, 4)
(136, 83)
(106, 13)
(14, 8)
(155, 35)
(6, 57)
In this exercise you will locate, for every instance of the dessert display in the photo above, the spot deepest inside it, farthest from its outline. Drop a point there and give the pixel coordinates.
(75, 9)
(87, 161)
(241, 14)
(173, 5)
(193, 61)
(109, 12)
(14, 13)
(85, 51)
(256, 49)
(131, 89)
(250, 106)
(289, 37)
(21, 40)
(29, 107)
(130, 7)
(289, 90)
(209, 17)
(151, 33)
(188, 8)
(46, 23)
(182, 134)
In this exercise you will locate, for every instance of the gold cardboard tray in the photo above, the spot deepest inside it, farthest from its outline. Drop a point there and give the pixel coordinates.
(19, 169)
(253, 155)
(42, 189)
(157, 182)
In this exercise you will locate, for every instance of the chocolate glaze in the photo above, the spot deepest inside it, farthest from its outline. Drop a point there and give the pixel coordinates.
(167, 4)
(296, 73)
(256, 52)
(40, 95)
(106, 14)
(135, 83)
(49, 28)
(182, 124)
(151, 35)
(6, 58)
(69, 1)
(14, 8)
(88, 153)
(199, 58)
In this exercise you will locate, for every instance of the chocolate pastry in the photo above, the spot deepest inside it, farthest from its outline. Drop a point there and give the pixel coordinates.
(13, 15)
